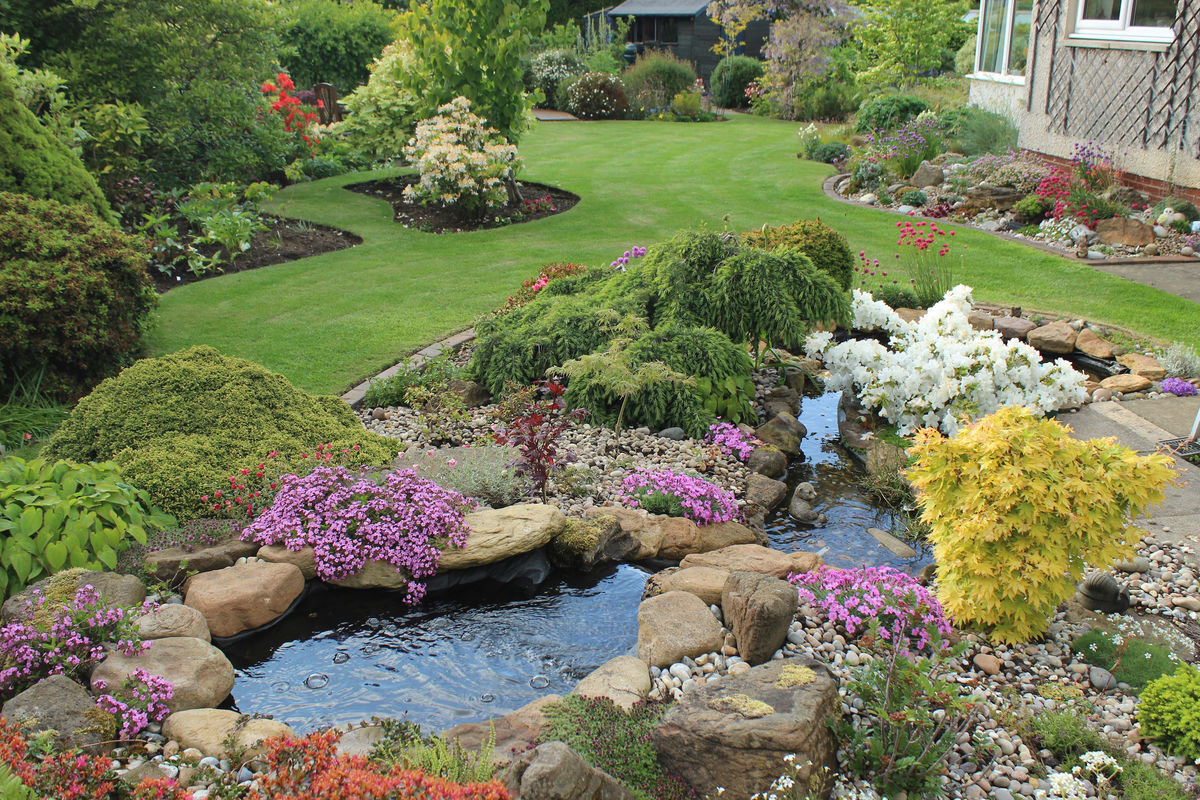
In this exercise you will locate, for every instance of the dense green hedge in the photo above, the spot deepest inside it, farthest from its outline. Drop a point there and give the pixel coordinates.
(34, 162)
(179, 425)
(74, 296)
(335, 42)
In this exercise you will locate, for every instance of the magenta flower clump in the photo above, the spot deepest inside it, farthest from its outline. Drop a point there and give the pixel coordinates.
(679, 495)
(350, 518)
(1178, 387)
(907, 613)
(731, 440)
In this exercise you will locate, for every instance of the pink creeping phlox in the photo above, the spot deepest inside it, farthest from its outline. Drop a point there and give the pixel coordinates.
(350, 518)
(731, 440)
(145, 701)
(697, 499)
(852, 599)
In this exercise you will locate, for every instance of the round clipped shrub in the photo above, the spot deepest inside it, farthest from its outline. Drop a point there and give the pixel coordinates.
(552, 67)
(597, 95)
(74, 295)
(826, 248)
(659, 71)
(730, 78)
(888, 113)
(1169, 712)
(180, 425)
(33, 161)
(830, 152)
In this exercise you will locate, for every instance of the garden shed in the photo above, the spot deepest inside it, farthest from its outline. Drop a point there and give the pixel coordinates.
(1118, 74)
(684, 28)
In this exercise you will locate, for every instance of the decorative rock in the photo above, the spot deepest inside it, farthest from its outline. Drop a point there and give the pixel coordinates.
(172, 620)
(707, 583)
(1123, 230)
(583, 544)
(243, 597)
(987, 664)
(378, 413)
(758, 609)
(360, 741)
(1138, 564)
(889, 541)
(766, 492)
(769, 461)
(643, 527)
(1090, 342)
(1100, 592)
(1187, 250)
(473, 394)
(115, 590)
(980, 321)
(869, 198)
(1102, 680)
(514, 733)
(1125, 383)
(553, 771)
(206, 729)
(674, 434)
(1013, 327)
(625, 680)
(910, 315)
(201, 673)
(1001, 198)
(755, 558)
(1145, 366)
(303, 559)
(61, 705)
(781, 400)
(1056, 337)
(674, 625)
(734, 733)
(784, 431)
(1101, 394)
(172, 563)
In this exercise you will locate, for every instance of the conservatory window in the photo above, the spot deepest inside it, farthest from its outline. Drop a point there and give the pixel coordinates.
(1004, 27)
(1126, 20)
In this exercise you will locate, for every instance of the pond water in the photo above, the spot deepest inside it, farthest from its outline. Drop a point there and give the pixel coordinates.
(345, 655)
(843, 541)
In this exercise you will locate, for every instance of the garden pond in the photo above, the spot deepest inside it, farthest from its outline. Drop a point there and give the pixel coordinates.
(470, 653)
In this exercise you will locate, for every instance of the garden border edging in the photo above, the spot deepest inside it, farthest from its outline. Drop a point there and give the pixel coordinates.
(354, 397)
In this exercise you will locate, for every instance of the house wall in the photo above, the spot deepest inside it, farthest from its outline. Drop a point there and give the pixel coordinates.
(1144, 105)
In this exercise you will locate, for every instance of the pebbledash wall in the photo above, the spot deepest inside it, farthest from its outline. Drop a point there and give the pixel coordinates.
(1140, 99)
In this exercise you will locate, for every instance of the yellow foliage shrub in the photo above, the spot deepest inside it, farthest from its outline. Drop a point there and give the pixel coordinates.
(1017, 509)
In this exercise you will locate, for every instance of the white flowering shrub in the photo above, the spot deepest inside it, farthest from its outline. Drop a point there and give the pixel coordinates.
(462, 162)
(938, 371)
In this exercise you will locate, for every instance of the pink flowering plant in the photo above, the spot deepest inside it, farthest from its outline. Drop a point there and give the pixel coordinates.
(352, 517)
(907, 614)
(731, 440)
(141, 699)
(67, 641)
(679, 495)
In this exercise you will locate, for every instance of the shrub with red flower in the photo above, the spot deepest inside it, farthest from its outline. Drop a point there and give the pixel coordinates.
(309, 768)
(288, 106)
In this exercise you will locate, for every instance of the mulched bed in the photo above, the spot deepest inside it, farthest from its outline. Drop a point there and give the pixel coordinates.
(439, 219)
(284, 240)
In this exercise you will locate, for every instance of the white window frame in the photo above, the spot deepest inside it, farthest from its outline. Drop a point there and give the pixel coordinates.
(1118, 30)
(1003, 76)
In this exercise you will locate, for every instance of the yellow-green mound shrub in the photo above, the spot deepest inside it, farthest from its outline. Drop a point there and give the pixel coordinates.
(1017, 509)
(179, 425)
(1169, 712)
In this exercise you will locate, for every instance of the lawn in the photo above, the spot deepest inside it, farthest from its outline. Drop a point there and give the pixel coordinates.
(329, 321)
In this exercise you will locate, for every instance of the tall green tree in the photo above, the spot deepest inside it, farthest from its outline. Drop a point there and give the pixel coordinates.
(473, 50)
(901, 39)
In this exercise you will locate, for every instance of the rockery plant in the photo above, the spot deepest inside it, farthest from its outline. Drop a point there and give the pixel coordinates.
(535, 433)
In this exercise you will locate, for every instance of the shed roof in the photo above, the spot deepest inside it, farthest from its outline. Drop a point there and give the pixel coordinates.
(659, 8)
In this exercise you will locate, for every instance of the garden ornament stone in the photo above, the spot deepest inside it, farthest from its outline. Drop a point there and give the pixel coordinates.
(1101, 592)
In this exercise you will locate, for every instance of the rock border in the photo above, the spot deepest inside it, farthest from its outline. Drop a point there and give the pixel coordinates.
(354, 397)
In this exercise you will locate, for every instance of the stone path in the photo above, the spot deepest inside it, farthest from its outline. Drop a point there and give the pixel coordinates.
(1141, 424)
(1180, 278)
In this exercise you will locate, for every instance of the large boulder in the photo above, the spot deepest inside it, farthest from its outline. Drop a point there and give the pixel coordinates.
(755, 558)
(1013, 327)
(680, 541)
(625, 680)
(1090, 342)
(585, 543)
(243, 597)
(303, 559)
(674, 625)
(927, 175)
(201, 674)
(637, 523)
(707, 583)
(784, 432)
(208, 730)
(1123, 230)
(496, 534)
(764, 491)
(174, 563)
(1145, 366)
(553, 771)
(769, 461)
(61, 705)
(735, 732)
(514, 733)
(173, 619)
(759, 610)
(115, 590)
(473, 394)
(1125, 383)
(1056, 337)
